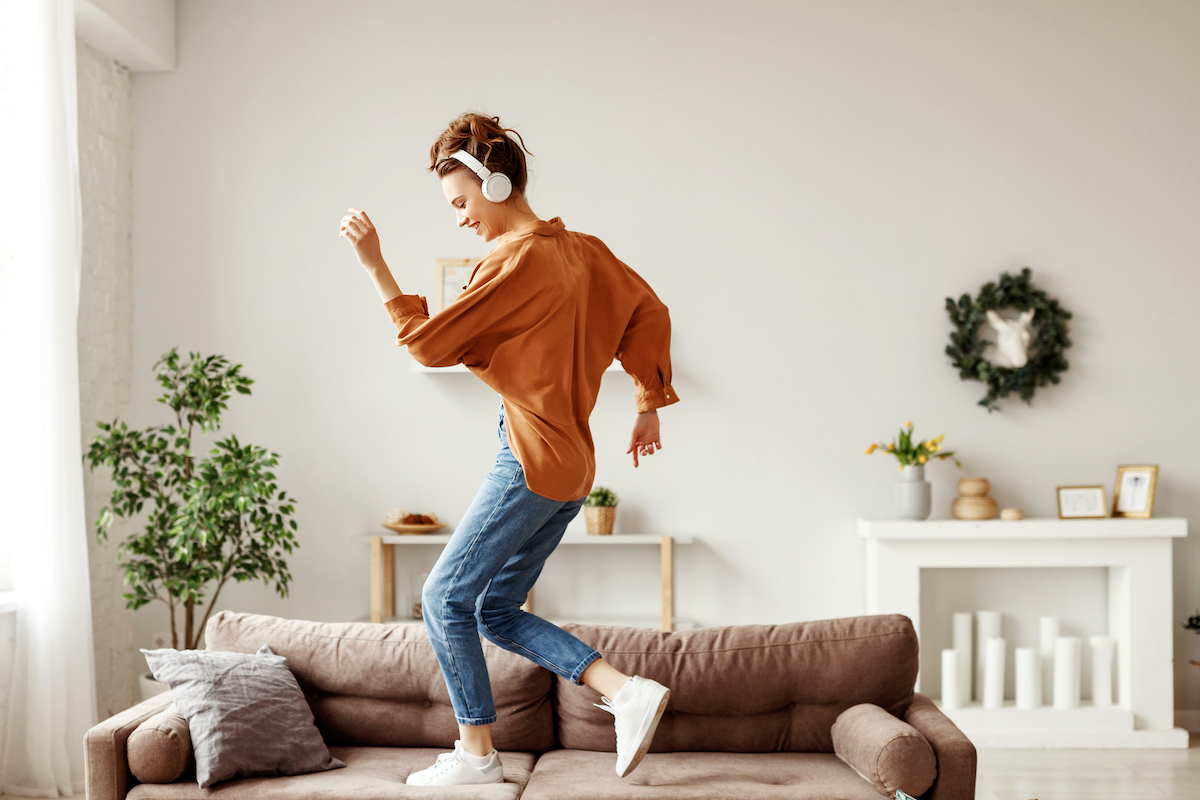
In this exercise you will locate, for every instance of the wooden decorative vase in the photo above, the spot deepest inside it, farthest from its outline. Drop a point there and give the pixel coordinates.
(599, 519)
(972, 501)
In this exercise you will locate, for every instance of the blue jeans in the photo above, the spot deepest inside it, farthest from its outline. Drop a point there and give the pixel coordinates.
(483, 576)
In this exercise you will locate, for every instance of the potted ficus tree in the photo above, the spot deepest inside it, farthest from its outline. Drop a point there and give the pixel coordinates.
(210, 520)
(600, 510)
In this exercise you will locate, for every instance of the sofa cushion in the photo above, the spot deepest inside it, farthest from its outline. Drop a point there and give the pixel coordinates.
(885, 750)
(371, 773)
(374, 684)
(589, 775)
(748, 688)
(245, 713)
(160, 749)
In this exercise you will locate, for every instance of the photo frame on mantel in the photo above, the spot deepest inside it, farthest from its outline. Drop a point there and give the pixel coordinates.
(450, 278)
(1133, 495)
(1081, 502)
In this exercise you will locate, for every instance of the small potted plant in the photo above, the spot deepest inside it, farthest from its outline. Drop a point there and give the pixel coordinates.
(913, 492)
(600, 510)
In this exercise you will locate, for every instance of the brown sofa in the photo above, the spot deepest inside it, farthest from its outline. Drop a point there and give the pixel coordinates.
(751, 713)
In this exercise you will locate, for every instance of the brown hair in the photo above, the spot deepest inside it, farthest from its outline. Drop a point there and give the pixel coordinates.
(484, 138)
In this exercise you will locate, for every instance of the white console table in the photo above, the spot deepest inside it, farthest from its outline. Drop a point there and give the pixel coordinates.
(1137, 555)
(383, 597)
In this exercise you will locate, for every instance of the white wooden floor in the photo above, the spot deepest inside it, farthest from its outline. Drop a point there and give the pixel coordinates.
(1082, 774)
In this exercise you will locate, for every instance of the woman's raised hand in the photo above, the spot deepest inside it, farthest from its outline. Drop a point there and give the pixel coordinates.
(645, 435)
(361, 233)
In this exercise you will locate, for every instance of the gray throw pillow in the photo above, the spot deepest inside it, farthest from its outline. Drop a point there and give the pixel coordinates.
(245, 712)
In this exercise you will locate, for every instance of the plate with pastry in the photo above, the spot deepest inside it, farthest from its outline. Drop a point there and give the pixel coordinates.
(401, 521)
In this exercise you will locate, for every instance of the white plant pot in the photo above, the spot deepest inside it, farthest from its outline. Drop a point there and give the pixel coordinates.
(913, 493)
(150, 687)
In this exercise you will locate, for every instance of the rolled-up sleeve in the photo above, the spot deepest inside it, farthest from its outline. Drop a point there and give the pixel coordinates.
(645, 353)
(456, 333)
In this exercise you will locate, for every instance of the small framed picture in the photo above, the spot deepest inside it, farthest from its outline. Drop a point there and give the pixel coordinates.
(1081, 502)
(451, 277)
(1133, 496)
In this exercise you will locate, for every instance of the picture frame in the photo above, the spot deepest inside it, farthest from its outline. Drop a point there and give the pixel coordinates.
(1133, 494)
(1081, 502)
(450, 278)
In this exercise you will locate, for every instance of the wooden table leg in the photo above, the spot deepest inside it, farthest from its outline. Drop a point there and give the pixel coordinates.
(376, 579)
(389, 593)
(668, 584)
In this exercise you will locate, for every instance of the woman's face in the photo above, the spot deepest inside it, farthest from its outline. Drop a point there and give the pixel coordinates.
(473, 210)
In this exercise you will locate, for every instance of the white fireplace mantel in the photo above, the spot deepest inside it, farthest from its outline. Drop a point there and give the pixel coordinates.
(1137, 555)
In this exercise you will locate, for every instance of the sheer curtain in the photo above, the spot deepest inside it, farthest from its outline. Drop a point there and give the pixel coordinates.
(52, 699)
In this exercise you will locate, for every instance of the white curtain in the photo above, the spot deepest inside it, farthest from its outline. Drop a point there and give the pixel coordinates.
(52, 701)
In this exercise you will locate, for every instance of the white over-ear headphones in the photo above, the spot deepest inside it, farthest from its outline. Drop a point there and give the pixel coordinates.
(496, 185)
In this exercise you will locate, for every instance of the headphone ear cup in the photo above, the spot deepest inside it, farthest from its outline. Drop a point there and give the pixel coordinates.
(497, 187)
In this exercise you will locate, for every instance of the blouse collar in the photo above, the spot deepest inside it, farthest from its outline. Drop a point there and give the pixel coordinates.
(542, 227)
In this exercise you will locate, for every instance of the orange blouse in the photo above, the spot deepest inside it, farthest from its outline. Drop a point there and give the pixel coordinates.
(540, 320)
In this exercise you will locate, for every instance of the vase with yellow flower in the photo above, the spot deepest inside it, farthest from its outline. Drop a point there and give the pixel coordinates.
(913, 492)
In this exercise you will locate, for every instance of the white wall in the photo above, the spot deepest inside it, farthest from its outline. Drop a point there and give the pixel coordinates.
(105, 348)
(802, 183)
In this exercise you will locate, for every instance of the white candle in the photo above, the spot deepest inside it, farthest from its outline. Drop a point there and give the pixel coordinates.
(1102, 651)
(993, 674)
(1049, 632)
(962, 644)
(989, 627)
(1029, 677)
(1066, 671)
(950, 695)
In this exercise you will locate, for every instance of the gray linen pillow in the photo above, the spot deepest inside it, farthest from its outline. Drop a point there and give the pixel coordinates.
(245, 712)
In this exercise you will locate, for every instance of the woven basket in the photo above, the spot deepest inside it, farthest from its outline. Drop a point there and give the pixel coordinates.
(599, 519)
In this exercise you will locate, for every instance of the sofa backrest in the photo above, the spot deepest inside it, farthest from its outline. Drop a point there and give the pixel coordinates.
(748, 688)
(373, 684)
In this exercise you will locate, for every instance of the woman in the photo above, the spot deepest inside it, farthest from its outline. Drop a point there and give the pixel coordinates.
(541, 318)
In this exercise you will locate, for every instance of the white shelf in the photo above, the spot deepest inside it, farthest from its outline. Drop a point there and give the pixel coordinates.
(1028, 528)
(572, 538)
(417, 366)
(1088, 726)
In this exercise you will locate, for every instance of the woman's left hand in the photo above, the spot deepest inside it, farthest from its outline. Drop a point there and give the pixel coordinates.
(361, 233)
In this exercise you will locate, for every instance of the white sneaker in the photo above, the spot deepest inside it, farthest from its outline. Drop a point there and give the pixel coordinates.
(636, 720)
(450, 770)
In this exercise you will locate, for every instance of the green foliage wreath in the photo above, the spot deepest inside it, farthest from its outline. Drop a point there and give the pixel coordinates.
(1049, 328)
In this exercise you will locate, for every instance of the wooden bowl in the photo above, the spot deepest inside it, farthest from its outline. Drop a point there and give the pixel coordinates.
(973, 487)
(428, 527)
(973, 508)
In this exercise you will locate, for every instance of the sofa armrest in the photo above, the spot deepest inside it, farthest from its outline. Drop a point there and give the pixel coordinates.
(956, 756)
(105, 757)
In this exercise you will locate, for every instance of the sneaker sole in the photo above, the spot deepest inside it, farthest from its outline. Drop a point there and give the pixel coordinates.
(645, 745)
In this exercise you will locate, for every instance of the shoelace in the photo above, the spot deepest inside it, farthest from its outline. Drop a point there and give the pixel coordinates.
(611, 708)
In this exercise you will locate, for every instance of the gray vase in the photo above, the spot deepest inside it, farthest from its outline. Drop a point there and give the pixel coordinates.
(913, 493)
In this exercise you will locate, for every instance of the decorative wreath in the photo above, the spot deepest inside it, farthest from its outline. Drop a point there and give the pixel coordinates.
(1049, 329)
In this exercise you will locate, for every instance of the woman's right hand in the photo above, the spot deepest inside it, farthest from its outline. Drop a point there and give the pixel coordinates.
(645, 435)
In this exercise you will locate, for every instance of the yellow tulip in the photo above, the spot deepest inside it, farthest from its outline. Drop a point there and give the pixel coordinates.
(939, 438)
(935, 447)
(921, 459)
(908, 424)
(891, 447)
(871, 449)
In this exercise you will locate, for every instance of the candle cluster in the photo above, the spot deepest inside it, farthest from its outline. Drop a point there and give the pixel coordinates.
(1045, 675)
